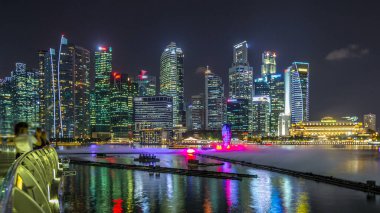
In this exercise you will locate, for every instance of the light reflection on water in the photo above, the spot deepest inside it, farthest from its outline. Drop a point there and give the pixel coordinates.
(99, 189)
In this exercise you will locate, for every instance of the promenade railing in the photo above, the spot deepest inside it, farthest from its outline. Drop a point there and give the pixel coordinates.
(32, 183)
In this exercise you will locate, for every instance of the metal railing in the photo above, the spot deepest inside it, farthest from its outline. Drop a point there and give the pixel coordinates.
(32, 183)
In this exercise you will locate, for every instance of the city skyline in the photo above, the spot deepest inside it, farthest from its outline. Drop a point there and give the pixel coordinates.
(302, 44)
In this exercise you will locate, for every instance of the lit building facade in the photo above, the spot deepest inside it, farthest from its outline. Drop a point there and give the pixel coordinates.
(73, 90)
(101, 105)
(197, 112)
(6, 109)
(25, 97)
(123, 91)
(240, 74)
(268, 63)
(237, 114)
(277, 101)
(261, 115)
(41, 84)
(153, 112)
(147, 85)
(297, 92)
(327, 127)
(370, 122)
(172, 81)
(215, 107)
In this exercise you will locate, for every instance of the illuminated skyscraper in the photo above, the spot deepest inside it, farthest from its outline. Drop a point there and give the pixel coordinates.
(369, 122)
(261, 86)
(50, 116)
(6, 109)
(241, 74)
(268, 63)
(237, 114)
(197, 112)
(25, 97)
(101, 104)
(277, 101)
(261, 115)
(146, 84)
(123, 90)
(297, 92)
(172, 81)
(73, 90)
(215, 107)
(41, 84)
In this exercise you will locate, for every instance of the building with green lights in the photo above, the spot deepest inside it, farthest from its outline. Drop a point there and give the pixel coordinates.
(237, 114)
(6, 109)
(215, 107)
(268, 65)
(172, 81)
(261, 115)
(25, 97)
(123, 91)
(146, 84)
(101, 101)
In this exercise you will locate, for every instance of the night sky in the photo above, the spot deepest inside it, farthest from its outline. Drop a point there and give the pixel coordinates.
(340, 39)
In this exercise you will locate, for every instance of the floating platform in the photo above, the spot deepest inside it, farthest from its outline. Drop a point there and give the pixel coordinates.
(157, 169)
(370, 186)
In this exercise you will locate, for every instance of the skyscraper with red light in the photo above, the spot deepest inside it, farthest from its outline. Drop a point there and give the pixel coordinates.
(100, 106)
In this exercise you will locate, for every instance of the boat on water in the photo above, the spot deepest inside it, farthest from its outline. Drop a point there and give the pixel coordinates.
(374, 142)
(147, 158)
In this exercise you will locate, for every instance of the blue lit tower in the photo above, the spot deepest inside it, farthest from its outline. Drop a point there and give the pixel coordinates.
(172, 81)
(297, 92)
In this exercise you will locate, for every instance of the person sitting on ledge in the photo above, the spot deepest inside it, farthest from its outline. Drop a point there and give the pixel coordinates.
(23, 141)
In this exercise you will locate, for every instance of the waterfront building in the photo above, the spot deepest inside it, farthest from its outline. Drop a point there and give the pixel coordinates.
(123, 90)
(146, 84)
(101, 105)
(297, 92)
(268, 63)
(197, 112)
(353, 118)
(154, 136)
(237, 114)
(328, 127)
(261, 115)
(215, 107)
(153, 112)
(172, 81)
(6, 110)
(283, 124)
(25, 97)
(370, 122)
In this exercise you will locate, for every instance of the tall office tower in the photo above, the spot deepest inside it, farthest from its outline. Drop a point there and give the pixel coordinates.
(297, 92)
(197, 112)
(241, 74)
(268, 63)
(6, 109)
(215, 107)
(153, 112)
(172, 81)
(50, 116)
(41, 84)
(283, 124)
(261, 86)
(261, 115)
(101, 104)
(277, 101)
(25, 98)
(146, 84)
(123, 90)
(237, 114)
(369, 122)
(73, 88)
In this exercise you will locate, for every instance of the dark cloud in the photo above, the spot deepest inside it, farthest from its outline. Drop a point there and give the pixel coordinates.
(352, 51)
